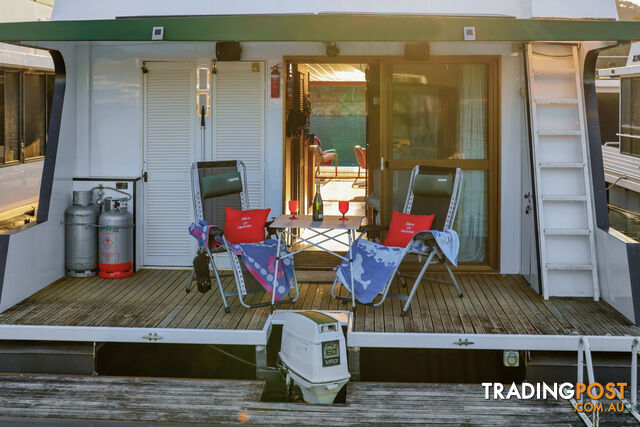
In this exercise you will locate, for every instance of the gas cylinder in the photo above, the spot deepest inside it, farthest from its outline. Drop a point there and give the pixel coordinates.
(81, 236)
(115, 240)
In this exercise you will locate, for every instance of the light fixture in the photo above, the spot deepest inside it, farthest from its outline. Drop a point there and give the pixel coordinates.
(511, 358)
(331, 49)
(157, 33)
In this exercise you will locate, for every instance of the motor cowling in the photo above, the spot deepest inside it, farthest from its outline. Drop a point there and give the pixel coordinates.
(115, 241)
(313, 355)
(81, 236)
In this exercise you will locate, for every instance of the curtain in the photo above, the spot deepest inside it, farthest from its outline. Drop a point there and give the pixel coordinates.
(471, 221)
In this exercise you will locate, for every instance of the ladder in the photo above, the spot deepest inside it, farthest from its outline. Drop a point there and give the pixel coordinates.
(561, 171)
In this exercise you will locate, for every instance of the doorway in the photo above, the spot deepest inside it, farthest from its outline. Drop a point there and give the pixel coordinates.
(169, 149)
(327, 135)
(443, 111)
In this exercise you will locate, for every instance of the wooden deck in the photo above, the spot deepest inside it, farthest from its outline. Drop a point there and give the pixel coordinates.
(492, 304)
(53, 400)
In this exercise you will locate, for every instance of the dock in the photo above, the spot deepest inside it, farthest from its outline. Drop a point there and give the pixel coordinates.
(153, 400)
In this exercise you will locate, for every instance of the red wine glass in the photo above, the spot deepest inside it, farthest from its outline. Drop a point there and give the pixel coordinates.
(344, 208)
(293, 208)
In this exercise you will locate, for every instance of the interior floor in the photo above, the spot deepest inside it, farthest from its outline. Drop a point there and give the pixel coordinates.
(492, 304)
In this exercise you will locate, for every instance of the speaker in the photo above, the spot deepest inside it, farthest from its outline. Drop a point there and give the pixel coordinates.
(416, 51)
(228, 51)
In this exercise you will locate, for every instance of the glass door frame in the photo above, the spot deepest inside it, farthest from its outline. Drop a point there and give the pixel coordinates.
(491, 164)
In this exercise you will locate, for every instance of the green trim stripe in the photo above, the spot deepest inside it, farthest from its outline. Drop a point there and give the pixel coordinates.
(319, 28)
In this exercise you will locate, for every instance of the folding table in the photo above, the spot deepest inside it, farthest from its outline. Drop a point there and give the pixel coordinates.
(283, 224)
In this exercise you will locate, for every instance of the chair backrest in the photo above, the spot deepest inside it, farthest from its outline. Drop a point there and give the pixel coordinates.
(216, 185)
(317, 152)
(361, 156)
(435, 190)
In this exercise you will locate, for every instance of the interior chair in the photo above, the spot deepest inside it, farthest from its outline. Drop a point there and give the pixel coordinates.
(432, 190)
(323, 158)
(361, 159)
(216, 185)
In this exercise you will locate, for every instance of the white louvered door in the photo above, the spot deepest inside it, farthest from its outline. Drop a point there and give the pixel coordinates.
(169, 150)
(238, 114)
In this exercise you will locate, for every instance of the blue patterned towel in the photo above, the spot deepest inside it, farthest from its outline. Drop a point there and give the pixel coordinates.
(260, 260)
(373, 265)
(448, 242)
(200, 231)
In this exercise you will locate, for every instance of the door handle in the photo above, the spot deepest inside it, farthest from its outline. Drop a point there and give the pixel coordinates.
(383, 163)
(145, 177)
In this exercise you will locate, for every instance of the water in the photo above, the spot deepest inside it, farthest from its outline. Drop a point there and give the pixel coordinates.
(626, 222)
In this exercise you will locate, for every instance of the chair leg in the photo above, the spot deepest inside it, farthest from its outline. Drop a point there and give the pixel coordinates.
(190, 282)
(453, 279)
(417, 283)
(220, 288)
(403, 281)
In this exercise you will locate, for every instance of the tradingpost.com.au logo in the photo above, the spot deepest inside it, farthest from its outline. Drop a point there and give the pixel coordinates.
(582, 393)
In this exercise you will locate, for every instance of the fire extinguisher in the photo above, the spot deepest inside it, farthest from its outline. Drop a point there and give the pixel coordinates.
(275, 82)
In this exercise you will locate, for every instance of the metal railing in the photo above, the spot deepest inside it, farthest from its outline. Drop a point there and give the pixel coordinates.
(632, 406)
(584, 355)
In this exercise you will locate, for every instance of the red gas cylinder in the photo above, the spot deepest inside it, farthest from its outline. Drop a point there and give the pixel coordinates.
(115, 242)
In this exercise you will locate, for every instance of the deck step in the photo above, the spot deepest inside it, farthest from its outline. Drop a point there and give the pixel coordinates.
(564, 198)
(554, 101)
(562, 165)
(569, 267)
(566, 232)
(559, 132)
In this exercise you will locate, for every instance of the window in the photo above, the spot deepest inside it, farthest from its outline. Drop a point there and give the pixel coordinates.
(440, 116)
(630, 116)
(25, 105)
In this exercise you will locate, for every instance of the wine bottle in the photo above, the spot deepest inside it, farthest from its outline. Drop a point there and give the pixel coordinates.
(317, 204)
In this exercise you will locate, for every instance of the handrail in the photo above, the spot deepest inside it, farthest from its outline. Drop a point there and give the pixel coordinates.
(584, 353)
(626, 135)
(632, 406)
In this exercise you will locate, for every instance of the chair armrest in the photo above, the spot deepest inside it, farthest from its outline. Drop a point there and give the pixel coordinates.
(424, 236)
(373, 228)
(330, 150)
(215, 231)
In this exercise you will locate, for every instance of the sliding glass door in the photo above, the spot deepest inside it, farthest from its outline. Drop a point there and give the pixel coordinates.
(444, 112)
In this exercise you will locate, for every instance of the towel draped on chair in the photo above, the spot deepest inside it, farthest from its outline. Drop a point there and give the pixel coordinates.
(260, 260)
(374, 264)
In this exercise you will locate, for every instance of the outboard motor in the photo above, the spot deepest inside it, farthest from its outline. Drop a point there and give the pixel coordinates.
(81, 236)
(313, 355)
(115, 242)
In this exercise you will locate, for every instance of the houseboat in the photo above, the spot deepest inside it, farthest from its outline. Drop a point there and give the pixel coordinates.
(26, 76)
(620, 155)
(504, 90)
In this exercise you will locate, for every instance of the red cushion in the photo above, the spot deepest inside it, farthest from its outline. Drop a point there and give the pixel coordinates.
(245, 226)
(404, 226)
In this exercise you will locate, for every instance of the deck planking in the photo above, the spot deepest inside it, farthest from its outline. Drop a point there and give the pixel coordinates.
(25, 398)
(491, 304)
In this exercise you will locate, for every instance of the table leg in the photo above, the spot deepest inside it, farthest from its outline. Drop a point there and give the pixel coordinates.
(353, 289)
(275, 273)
